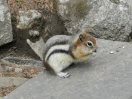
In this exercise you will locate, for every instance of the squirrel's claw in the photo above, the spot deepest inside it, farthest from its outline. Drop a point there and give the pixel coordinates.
(63, 75)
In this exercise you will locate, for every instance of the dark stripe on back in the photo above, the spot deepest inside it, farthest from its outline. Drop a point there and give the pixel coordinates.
(54, 44)
(59, 43)
(57, 51)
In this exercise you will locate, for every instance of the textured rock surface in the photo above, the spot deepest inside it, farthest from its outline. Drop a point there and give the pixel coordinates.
(27, 18)
(109, 19)
(5, 23)
(104, 76)
(11, 81)
(129, 2)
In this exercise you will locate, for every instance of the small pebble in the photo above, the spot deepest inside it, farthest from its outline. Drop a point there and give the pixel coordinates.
(34, 75)
(8, 68)
(123, 47)
(32, 71)
(112, 52)
(33, 33)
(18, 70)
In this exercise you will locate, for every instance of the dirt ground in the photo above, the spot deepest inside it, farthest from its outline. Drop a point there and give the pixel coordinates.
(15, 50)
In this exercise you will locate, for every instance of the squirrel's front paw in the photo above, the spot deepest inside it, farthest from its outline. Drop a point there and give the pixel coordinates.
(63, 75)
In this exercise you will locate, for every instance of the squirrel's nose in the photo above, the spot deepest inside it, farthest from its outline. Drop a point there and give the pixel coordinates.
(95, 50)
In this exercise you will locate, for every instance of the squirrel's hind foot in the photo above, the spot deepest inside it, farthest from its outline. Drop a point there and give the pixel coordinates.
(63, 75)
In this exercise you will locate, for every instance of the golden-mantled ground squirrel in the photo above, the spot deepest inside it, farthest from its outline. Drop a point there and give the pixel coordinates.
(61, 51)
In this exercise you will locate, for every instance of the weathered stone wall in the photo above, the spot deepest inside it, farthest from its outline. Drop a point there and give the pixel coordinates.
(108, 19)
(6, 35)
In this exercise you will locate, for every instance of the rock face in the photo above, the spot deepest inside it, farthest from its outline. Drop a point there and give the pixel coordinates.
(129, 2)
(108, 19)
(5, 23)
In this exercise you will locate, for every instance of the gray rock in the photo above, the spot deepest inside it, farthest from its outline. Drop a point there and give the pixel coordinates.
(105, 76)
(27, 18)
(108, 19)
(129, 2)
(6, 35)
(11, 81)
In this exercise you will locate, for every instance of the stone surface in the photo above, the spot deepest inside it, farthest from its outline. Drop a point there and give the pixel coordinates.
(108, 19)
(129, 2)
(104, 76)
(6, 35)
(27, 18)
(11, 81)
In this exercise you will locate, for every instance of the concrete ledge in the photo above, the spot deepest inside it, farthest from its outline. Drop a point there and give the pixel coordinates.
(105, 76)
(11, 81)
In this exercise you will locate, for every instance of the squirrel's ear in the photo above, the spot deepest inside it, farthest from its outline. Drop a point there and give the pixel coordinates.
(85, 30)
(81, 37)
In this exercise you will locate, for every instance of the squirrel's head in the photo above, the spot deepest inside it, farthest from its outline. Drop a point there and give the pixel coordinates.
(87, 40)
(85, 44)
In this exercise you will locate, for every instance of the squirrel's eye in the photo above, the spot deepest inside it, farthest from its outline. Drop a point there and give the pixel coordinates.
(89, 43)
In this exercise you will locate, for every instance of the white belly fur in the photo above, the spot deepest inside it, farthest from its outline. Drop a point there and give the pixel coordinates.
(60, 61)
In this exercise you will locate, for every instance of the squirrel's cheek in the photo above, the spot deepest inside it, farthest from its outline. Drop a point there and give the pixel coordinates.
(86, 50)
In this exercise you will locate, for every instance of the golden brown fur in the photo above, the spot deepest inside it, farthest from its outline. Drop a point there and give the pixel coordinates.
(78, 46)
